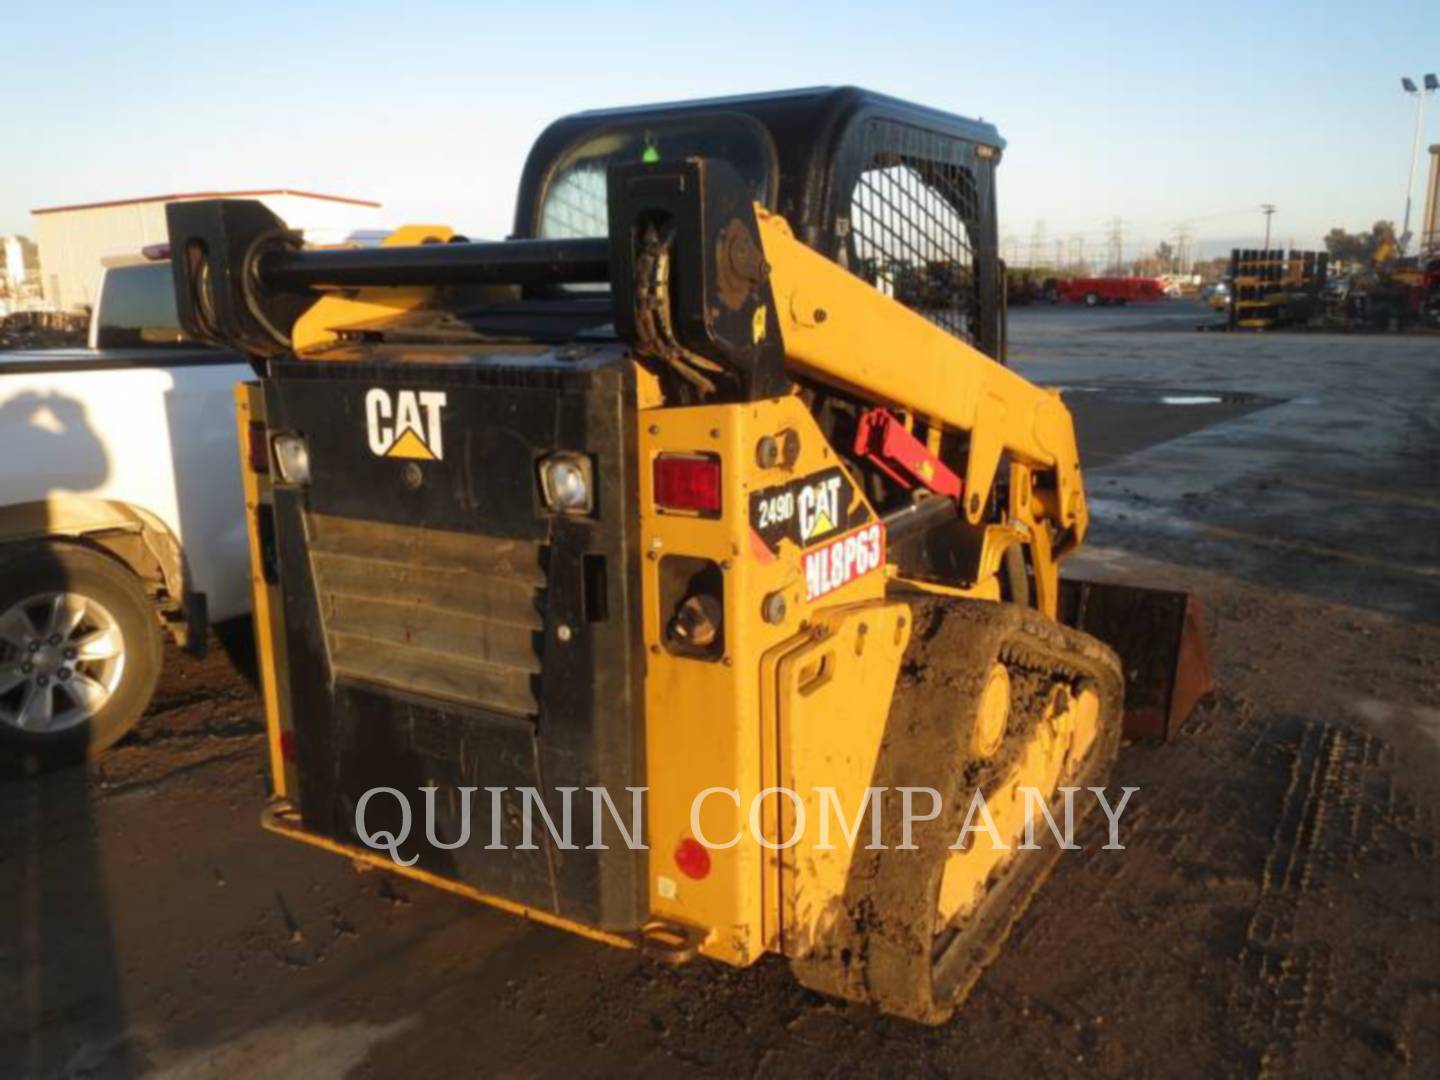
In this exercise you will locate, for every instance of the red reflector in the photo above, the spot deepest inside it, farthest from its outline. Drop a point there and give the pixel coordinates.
(259, 448)
(287, 745)
(692, 858)
(688, 482)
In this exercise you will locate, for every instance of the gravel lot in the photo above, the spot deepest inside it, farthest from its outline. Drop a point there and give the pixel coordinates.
(1276, 911)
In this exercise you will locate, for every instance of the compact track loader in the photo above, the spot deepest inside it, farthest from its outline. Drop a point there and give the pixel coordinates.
(709, 486)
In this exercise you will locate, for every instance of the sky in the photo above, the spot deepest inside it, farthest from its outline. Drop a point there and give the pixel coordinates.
(1166, 116)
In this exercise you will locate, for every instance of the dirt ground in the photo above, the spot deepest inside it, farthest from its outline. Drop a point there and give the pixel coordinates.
(1276, 910)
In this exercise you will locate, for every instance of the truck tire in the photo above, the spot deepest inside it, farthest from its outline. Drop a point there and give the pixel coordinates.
(80, 653)
(1091, 299)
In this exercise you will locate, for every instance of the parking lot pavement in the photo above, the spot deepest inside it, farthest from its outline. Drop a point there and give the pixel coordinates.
(1275, 909)
(1324, 477)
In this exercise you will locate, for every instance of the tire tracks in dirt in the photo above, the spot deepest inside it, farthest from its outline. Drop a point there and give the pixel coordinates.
(1340, 806)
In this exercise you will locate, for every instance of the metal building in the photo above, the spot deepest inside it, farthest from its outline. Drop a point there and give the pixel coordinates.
(73, 240)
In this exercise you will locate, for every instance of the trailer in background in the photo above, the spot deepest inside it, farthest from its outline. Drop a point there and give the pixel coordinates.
(1093, 291)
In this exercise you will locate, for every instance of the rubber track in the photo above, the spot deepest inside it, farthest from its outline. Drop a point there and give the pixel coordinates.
(885, 949)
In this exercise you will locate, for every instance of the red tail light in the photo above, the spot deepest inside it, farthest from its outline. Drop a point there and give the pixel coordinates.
(688, 482)
(258, 450)
(692, 858)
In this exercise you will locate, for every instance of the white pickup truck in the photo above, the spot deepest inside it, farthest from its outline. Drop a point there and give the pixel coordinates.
(121, 514)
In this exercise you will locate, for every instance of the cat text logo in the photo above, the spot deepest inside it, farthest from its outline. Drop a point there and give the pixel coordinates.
(406, 425)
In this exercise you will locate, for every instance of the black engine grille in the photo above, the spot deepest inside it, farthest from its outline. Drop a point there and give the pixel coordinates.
(445, 615)
(454, 632)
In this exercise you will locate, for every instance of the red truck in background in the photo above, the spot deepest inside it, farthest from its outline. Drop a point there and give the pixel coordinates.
(1108, 290)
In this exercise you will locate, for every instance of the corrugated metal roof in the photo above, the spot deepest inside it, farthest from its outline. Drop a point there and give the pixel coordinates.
(206, 195)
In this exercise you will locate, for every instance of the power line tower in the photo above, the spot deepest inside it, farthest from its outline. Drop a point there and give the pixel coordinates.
(1037, 241)
(1268, 209)
(1181, 258)
(1115, 246)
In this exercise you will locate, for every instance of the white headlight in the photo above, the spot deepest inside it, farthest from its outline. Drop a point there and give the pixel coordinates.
(292, 458)
(565, 482)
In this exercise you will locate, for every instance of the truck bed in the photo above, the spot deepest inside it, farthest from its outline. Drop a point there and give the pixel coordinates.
(21, 361)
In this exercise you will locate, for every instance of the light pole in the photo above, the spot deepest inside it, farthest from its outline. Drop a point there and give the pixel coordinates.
(1268, 209)
(1408, 84)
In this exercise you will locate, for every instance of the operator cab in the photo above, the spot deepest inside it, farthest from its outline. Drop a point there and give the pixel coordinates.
(901, 195)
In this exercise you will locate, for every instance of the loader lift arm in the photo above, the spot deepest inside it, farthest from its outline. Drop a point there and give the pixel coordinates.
(840, 329)
(740, 304)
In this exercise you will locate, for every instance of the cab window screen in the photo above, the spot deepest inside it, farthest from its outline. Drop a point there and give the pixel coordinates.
(914, 219)
(137, 307)
(574, 201)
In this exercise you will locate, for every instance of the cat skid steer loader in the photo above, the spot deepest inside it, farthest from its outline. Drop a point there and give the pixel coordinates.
(709, 487)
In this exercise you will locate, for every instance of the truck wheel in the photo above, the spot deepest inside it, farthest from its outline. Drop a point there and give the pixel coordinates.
(1091, 299)
(80, 654)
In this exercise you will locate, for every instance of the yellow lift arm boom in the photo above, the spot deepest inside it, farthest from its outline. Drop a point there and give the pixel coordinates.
(842, 330)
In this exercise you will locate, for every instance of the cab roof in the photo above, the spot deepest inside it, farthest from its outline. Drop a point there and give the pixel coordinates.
(806, 128)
